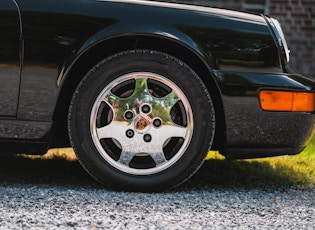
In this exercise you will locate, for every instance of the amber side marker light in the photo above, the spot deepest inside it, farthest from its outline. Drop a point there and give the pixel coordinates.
(287, 101)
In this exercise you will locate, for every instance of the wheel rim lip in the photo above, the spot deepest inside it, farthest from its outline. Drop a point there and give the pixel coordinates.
(124, 168)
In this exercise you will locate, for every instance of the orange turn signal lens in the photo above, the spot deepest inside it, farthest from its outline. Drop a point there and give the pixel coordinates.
(303, 102)
(287, 101)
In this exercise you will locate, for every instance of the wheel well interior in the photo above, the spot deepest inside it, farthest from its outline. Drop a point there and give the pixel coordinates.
(109, 47)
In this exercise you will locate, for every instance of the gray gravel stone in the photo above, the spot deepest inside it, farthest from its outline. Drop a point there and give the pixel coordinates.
(53, 207)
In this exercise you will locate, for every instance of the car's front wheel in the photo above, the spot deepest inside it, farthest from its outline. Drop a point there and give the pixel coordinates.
(141, 120)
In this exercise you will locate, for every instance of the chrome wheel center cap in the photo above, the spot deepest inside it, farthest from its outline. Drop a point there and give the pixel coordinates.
(142, 123)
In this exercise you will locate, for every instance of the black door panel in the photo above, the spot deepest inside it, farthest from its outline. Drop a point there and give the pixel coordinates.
(9, 57)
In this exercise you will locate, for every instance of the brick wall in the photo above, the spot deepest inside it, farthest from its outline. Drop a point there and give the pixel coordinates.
(257, 6)
(297, 18)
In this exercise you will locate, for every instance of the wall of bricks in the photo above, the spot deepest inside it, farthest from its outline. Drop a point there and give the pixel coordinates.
(297, 18)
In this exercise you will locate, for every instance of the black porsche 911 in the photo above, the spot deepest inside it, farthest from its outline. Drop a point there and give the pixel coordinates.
(143, 90)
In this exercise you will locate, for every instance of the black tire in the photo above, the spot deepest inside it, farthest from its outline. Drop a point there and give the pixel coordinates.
(141, 121)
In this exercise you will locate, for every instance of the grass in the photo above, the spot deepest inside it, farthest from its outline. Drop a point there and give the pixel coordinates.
(283, 170)
(60, 167)
(56, 167)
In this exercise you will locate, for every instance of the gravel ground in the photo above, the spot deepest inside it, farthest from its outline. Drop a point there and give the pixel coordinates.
(41, 206)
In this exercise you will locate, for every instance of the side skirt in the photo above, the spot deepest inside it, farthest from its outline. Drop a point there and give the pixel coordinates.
(15, 147)
(251, 153)
(18, 136)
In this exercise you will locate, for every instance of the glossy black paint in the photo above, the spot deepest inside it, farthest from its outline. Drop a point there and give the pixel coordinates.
(234, 53)
(77, 27)
(260, 132)
(9, 57)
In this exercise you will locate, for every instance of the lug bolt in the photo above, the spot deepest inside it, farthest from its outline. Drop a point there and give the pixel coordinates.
(145, 108)
(128, 115)
(157, 122)
(130, 133)
(147, 138)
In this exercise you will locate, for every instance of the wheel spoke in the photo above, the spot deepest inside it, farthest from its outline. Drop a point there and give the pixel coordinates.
(158, 157)
(113, 130)
(112, 100)
(169, 131)
(104, 132)
(176, 131)
(159, 137)
(171, 99)
(126, 157)
(118, 106)
(162, 106)
(141, 87)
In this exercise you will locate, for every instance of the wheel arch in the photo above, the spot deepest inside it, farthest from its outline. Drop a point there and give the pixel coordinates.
(108, 47)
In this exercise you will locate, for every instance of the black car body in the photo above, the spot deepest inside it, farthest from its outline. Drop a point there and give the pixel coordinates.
(50, 49)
